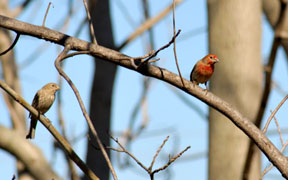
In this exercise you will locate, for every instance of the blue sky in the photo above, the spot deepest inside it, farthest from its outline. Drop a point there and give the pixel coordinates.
(166, 111)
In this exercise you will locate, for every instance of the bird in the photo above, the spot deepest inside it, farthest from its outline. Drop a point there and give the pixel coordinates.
(42, 102)
(203, 70)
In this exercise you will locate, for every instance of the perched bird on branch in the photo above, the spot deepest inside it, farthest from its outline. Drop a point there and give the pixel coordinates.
(203, 69)
(42, 101)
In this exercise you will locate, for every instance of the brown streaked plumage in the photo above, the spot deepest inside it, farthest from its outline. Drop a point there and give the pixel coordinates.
(42, 101)
(203, 69)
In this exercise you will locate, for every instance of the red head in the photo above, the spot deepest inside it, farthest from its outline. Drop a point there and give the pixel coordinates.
(210, 59)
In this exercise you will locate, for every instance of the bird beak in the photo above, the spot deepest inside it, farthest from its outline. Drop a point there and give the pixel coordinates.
(216, 60)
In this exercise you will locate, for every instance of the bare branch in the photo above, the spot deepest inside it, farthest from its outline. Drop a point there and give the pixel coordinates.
(44, 20)
(90, 23)
(279, 131)
(130, 154)
(73, 172)
(266, 170)
(267, 87)
(154, 53)
(63, 55)
(273, 114)
(174, 44)
(246, 125)
(46, 122)
(171, 160)
(159, 149)
(28, 154)
(149, 170)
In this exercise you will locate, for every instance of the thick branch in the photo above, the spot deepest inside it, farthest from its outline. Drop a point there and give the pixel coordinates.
(272, 153)
(29, 154)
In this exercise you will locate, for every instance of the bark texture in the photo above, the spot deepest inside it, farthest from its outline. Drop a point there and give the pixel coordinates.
(235, 37)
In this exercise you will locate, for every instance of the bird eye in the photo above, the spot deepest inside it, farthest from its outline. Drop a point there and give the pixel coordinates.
(211, 57)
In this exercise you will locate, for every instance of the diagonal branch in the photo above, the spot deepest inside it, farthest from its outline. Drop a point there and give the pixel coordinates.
(243, 123)
(58, 60)
(268, 81)
(47, 123)
(273, 114)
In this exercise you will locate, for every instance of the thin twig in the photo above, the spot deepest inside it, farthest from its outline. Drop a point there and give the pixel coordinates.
(58, 60)
(73, 172)
(174, 45)
(44, 20)
(273, 114)
(130, 154)
(157, 153)
(90, 23)
(160, 49)
(171, 160)
(149, 170)
(165, 46)
(279, 130)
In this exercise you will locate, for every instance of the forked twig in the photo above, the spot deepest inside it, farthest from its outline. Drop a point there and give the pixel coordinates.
(149, 170)
(171, 160)
(158, 151)
(127, 152)
(154, 53)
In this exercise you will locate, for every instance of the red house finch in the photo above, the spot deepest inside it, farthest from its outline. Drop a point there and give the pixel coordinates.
(203, 69)
(42, 101)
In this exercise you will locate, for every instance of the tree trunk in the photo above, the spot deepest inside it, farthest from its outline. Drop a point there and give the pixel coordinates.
(272, 12)
(101, 94)
(235, 37)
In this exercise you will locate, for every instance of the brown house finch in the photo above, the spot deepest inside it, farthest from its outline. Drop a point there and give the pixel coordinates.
(42, 101)
(203, 69)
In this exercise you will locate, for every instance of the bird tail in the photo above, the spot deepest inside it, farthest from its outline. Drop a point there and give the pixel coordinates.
(32, 129)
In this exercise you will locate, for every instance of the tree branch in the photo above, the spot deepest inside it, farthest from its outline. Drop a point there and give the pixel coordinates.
(63, 55)
(47, 123)
(272, 153)
(29, 154)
